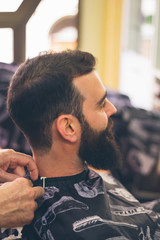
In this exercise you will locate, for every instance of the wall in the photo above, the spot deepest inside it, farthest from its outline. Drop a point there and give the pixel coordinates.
(99, 33)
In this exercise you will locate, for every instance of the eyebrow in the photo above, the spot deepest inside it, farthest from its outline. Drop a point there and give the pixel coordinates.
(101, 100)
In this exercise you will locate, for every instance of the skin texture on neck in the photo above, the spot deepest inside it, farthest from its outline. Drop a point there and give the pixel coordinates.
(62, 159)
(58, 165)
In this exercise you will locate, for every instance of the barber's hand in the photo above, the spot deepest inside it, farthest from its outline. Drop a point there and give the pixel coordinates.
(17, 202)
(12, 165)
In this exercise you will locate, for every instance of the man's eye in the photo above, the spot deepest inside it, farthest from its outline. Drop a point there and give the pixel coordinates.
(103, 103)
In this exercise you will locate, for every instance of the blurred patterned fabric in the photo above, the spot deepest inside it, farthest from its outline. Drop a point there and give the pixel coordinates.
(10, 135)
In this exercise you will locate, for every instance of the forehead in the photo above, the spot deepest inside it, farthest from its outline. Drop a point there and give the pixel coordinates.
(90, 86)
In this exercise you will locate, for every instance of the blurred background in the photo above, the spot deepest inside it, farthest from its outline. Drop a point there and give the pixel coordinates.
(124, 36)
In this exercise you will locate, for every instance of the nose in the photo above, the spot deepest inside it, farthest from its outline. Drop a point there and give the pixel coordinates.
(111, 109)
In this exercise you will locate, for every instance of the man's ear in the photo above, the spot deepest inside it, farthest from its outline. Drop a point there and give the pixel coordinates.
(67, 128)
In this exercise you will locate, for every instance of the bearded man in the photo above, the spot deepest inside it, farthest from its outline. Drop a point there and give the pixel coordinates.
(60, 104)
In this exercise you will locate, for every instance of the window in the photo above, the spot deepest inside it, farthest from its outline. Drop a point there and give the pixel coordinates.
(137, 55)
(37, 28)
(10, 5)
(39, 25)
(6, 45)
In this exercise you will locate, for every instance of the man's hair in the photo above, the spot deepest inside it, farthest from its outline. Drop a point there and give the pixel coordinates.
(42, 89)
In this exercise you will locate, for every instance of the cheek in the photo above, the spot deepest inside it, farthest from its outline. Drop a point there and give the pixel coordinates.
(98, 121)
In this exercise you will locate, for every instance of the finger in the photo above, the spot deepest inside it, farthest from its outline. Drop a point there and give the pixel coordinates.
(19, 171)
(30, 183)
(7, 177)
(33, 173)
(25, 160)
(39, 192)
(24, 183)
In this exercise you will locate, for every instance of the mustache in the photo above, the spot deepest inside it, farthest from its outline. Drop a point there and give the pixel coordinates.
(110, 125)
(108, 132)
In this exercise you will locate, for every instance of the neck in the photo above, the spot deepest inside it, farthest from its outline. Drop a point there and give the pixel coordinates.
(61, 164)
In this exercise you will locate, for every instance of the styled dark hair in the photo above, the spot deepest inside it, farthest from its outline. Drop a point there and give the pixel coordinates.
(42, 89)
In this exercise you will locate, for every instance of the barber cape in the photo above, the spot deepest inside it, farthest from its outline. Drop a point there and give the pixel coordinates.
(90, 207)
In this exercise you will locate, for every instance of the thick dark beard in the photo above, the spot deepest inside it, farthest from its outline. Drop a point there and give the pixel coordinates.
(99, 149)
